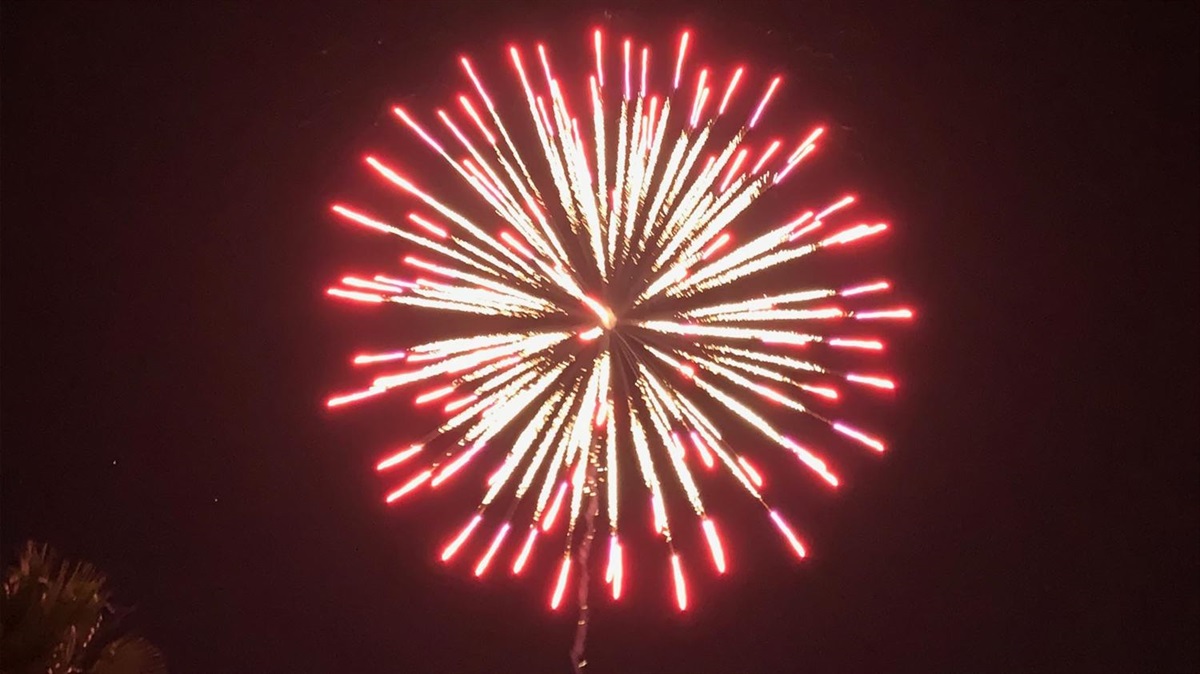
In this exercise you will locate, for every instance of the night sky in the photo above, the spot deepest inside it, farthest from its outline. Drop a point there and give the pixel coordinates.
(167, 346)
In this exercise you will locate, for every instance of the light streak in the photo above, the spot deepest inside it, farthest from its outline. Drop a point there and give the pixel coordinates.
(615, 572)
(767, 154)
(447, 472)
(683, 42)
(379, 357)
(869, 344)
(560, 585)
(348, 398)
(548, 521)
(714, 544)
(887, 313)
(733, 82)
(867, 440)
(751, 472)
(434, 395)
(877, 382)
(626, 70)
(797, 546)
(439, 232)
(523, 557)
(482, 566)
(762, 105)
(865, 288)
(450, 550)
(599, 60)
(680, 588)
(410, 485)
(399, 457)
(854, 234)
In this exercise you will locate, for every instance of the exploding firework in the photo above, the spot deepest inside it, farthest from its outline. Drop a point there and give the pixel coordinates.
(619, 266)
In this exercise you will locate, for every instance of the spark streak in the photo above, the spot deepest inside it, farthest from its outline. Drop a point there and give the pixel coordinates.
(680, 587)
(714, 544)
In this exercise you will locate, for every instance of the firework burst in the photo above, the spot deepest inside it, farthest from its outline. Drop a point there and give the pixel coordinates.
(619, 264)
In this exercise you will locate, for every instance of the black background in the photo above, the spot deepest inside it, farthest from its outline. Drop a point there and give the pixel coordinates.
(166, 348)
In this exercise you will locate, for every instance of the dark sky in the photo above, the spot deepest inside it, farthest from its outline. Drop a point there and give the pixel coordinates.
(167, 347)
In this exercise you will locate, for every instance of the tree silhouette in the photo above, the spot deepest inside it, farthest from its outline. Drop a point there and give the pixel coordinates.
(56, 618)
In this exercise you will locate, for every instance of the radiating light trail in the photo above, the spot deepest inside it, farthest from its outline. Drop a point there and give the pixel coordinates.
(865, 288)
(683, 42)
(714, 544)
(552, 515)
(733, 82)
(680, 588)
(399, 457)
(560, 585)
(599, 263)
(519, 563)
(786, 530)
(450, 550)
(867, 440)
(412, 484)
(762, 105)
(877, 382)
(482, 566)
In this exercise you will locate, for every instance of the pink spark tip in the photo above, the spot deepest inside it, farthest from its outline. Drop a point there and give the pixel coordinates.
(763, 104)
(683, 42)
(360, 218)
(854, 233)
(877, 382)
(865, 288)
(552, 514)
(449, 471)
(355, 295)
(702, 450)
(714, 544)
(482, 566)
(599, 60)
(523, 557)
(410, 485)
(797, 546)
(766, 155)
(733, 169)
(627, 69)
(434, 395)
(399, 457)
(428, 226)
(867, 440)
(680, 587)
(883, 313)
(561, 585)
(837, 206)
(461, 538)
(338, 401)
(750, 471)
(733, 82)
(363, 359)
(455, 405)
(823, 391)
(615, 568)
(645, 67)
(868, 344)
